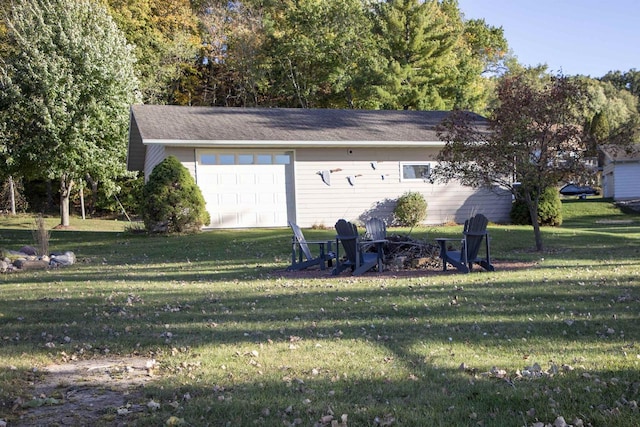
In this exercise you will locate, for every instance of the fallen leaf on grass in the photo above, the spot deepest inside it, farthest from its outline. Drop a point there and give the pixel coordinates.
(175, 421)
(385, 421)
(497, 372)
(326, 419)
(560, 422)
(342, 423)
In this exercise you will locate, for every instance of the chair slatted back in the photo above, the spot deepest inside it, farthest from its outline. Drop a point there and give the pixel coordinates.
(475, 229)
(376, 229)
(348, 235)
(297, 233)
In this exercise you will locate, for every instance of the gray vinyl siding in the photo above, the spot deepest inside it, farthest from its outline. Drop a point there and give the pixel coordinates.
(608, 180)
(371, 195)
(186, 155)
(155, 154)
(627, 176)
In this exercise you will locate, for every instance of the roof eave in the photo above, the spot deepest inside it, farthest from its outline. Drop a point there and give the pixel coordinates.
(290, 144)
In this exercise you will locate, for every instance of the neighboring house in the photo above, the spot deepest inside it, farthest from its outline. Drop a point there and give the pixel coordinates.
(620, 171)
(264, 167)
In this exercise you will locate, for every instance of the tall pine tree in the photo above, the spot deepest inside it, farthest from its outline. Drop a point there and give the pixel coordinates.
(418, 41)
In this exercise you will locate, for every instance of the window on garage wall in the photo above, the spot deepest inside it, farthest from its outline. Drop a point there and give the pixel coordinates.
(208, 159)
(226, 159)
(410, 171)
(264, 159)
(282, 159)
(245, 159)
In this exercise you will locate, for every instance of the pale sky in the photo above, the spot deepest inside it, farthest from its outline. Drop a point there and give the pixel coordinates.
(587, 37)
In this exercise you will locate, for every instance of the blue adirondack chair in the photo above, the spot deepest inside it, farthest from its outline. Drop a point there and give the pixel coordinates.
(376, 229)
(301, 255)
(356, 258)
(376, 237)
(474, 232)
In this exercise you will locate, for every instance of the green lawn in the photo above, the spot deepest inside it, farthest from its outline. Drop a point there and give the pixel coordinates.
(249, 346)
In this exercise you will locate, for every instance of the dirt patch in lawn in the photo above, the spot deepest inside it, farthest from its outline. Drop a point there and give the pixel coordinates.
(105, 391)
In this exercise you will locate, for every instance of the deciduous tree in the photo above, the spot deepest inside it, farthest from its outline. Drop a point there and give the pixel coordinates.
(65, 93)
(611, 113)
(166, 39)
(628, 80)
(320, 51)
(534, 140)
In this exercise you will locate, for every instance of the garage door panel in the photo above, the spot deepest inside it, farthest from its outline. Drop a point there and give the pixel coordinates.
(267, 179)
(227, 179)
(228, 220)
(246, 179)
(247, 199)
(244, 195)
(267, 199)
(227, 199)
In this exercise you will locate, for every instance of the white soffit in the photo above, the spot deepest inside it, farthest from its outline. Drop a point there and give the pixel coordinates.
(293, 144)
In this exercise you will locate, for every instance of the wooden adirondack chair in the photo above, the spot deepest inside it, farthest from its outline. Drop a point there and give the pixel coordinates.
(355, 258)
(474, 232)
(376, 229)
(301, 256)
(375, 237)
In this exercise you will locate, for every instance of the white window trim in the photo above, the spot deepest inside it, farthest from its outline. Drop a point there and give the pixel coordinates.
(421, 179)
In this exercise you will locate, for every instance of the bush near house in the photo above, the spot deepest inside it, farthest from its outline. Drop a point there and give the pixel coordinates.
(410, 209)
(549, 210)
(172, 202)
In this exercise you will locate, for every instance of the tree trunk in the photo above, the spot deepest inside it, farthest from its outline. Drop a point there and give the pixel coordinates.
(82, 201)
(532, 204)
(66, 184)
(12, 190)
(93, 199)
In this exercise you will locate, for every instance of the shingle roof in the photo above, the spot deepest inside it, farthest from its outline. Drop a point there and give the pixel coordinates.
(163, 123)
(279, 127)
(621, 153)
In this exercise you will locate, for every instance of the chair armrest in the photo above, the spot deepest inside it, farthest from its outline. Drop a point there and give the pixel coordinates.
(318, 242)
(475, 233)
(442, 241)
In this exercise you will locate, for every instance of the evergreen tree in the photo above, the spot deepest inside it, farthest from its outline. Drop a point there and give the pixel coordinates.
(599, 128)
(172, 201)
(418, 40)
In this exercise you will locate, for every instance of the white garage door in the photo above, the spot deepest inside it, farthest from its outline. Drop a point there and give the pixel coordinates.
(244, 195)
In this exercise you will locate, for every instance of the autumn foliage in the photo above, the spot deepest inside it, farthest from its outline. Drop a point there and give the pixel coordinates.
(534, 140)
